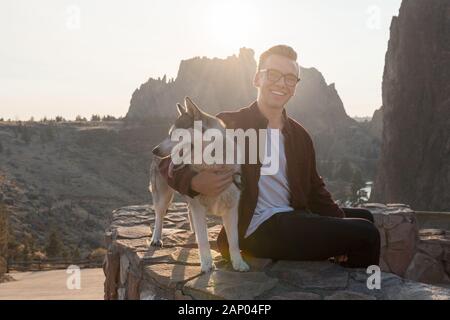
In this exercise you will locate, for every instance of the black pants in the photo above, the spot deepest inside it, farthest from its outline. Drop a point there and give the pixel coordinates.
(298, 235)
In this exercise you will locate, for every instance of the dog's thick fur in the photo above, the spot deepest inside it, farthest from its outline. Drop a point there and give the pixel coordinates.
(224, 205)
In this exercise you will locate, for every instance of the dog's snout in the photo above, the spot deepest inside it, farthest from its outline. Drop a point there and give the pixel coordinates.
(157, 151)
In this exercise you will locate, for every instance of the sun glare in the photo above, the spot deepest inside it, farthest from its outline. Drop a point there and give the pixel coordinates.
(232, 23)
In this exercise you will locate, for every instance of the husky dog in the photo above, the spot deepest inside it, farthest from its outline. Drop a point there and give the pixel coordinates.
(224, 205)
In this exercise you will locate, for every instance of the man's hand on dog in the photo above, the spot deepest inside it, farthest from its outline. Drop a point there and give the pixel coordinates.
(212, 183)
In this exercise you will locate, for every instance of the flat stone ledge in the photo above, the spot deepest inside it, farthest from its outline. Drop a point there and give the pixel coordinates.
(135, 270)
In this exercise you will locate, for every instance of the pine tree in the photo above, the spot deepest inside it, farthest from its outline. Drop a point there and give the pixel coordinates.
(54, 245)
(357, 184)
(30, 243)
(65, 254)
(345, 172)
(4, 232)
(76, 254)
(80, 118)
(13, 245)
(25, 252)
(95, 117)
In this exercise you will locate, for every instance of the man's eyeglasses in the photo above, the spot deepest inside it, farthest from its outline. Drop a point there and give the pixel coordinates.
(273, 75)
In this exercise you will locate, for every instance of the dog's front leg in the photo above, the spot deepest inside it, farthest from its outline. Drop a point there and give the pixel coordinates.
(230, 222)
(157, 229)
(201, 233)
(191, 222)
(161, 203)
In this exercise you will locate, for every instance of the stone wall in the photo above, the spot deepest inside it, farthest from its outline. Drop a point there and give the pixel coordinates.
(135, 270)
(417, 255)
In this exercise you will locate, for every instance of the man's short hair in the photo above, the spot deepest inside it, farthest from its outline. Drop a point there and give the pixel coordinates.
(281, 50)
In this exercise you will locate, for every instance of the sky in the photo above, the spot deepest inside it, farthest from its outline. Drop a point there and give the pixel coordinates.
(86, 57)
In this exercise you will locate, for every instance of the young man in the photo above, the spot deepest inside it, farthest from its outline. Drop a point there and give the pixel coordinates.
(288, 215)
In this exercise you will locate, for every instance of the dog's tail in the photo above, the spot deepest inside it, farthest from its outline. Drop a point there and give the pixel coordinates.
(154, 167)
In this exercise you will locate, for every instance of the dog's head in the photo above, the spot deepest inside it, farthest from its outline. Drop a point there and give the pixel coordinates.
(187, 114)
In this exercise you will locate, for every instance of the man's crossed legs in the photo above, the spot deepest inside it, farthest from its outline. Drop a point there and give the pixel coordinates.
(298, 235)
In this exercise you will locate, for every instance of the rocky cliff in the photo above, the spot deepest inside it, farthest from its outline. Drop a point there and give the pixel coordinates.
(226, 84)
(414, 166)
(216, 84)
(376, 123)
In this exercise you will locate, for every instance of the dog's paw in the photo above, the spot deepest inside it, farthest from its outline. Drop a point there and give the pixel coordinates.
(208, 266)
(156, 243)
(240, 265)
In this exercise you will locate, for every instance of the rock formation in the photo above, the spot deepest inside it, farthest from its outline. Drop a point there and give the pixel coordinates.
(135, 270)
(414, 166)
(216, 84)
(226, 84)
(376, 123)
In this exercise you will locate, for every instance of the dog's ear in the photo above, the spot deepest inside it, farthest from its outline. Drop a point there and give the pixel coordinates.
(192, 109)
(181, 110)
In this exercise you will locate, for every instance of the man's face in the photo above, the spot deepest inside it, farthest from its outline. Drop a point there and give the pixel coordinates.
(275, 94)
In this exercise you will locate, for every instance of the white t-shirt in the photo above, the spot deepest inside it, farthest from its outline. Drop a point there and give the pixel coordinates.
(274, 194)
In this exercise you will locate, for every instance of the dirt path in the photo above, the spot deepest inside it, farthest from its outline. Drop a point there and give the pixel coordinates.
(52, 285)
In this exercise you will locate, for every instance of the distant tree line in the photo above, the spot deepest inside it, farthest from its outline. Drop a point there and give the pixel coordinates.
(23, 132)
(78, 118)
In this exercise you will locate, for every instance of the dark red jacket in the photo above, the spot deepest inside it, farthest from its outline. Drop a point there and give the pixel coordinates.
(307, 189)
